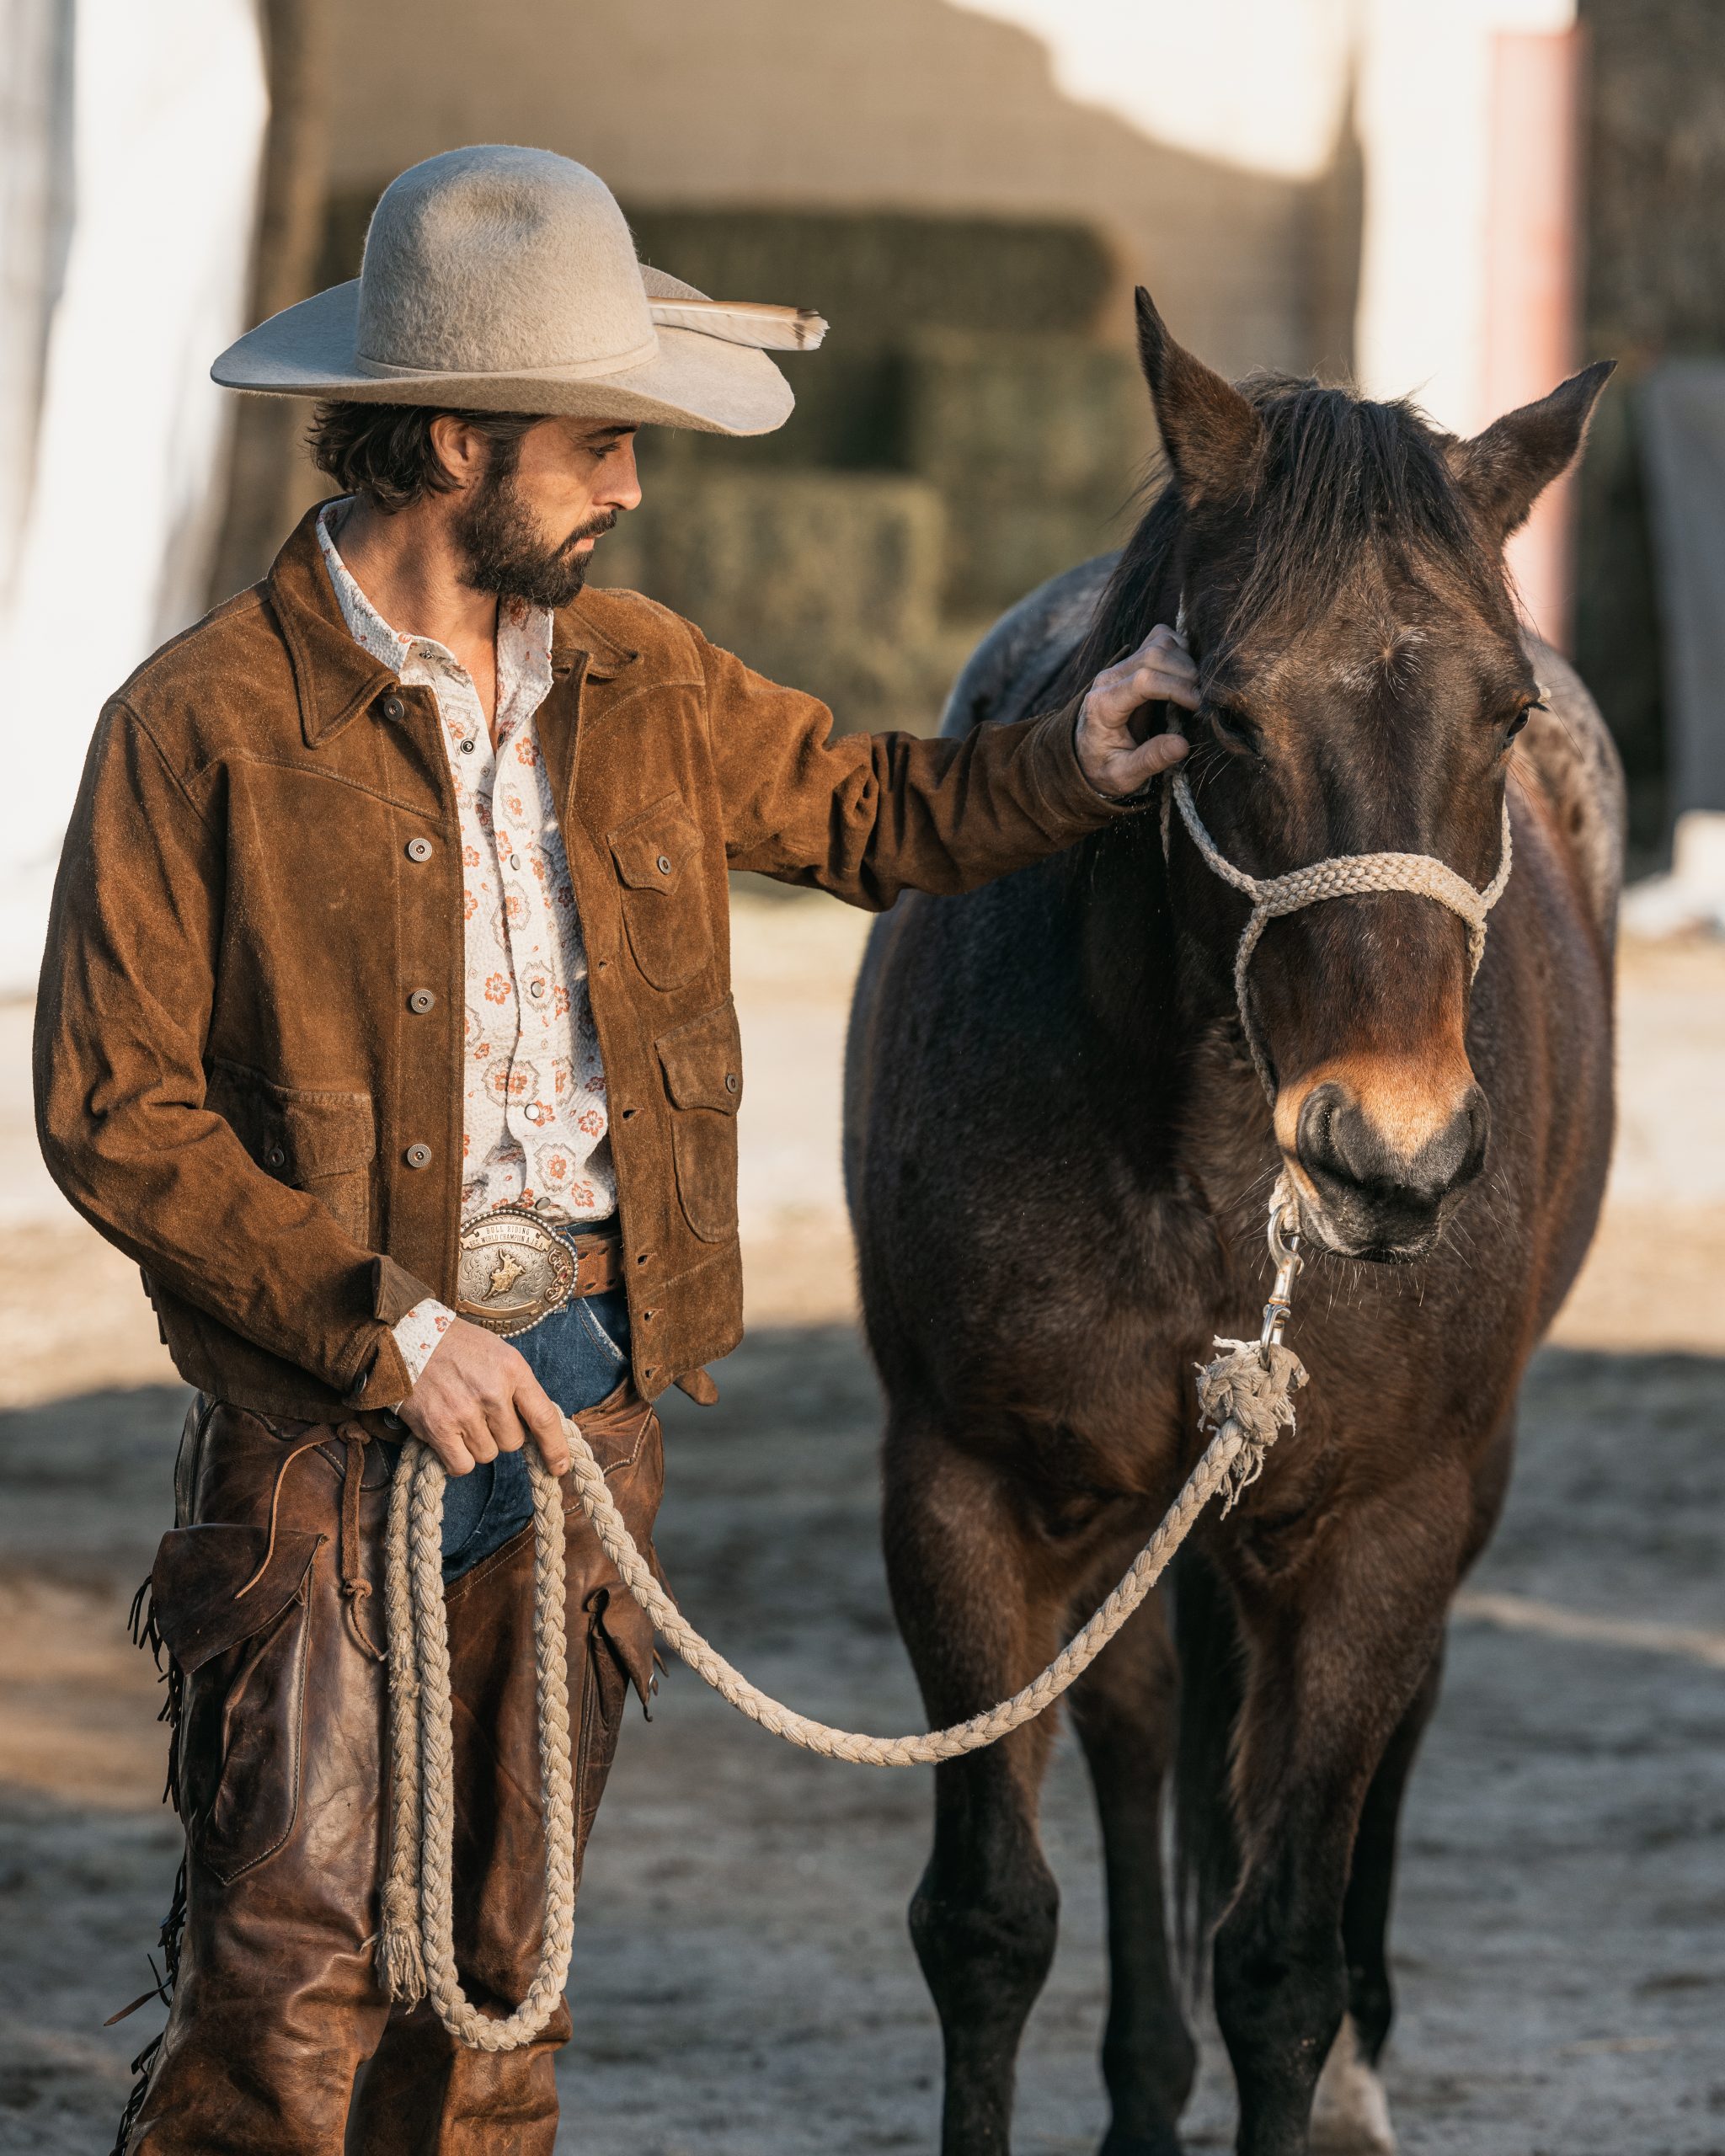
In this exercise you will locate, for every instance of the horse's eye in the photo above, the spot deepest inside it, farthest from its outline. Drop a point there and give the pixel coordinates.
(1233, 728)
(1521, 718)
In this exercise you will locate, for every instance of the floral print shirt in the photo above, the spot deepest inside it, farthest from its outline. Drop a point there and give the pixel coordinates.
(535, 1129)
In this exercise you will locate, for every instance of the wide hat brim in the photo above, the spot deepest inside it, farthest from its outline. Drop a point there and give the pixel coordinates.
(693, 381)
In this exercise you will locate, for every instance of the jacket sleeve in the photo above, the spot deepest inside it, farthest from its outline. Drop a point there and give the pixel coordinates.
(122, 1017)
(868, 816)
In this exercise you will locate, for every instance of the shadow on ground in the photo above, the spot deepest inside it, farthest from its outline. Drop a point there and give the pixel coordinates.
(743, 1983)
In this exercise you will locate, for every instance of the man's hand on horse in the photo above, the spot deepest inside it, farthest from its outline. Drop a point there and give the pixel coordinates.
(1112, 749)
(476, 1398)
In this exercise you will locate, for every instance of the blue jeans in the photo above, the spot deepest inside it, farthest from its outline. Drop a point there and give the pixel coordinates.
(578, 1353)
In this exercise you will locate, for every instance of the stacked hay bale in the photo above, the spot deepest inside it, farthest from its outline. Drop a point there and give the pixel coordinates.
(963, 433)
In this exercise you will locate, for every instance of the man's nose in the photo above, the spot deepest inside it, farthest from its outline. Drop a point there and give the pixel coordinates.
(1350, 1152)
(622, 483)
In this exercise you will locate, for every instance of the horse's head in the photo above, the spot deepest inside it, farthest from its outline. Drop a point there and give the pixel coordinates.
(1341, 564)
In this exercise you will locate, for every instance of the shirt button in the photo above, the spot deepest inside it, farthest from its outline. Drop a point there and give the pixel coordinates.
(422, 1001)
(515, 861)
(393, 708)
(419, 849)
(663, 864)
(418, 1157)
(535, 988)
(468, 747)
(276, 1157)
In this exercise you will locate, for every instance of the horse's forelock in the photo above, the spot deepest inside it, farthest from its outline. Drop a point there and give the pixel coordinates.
(1345, 489)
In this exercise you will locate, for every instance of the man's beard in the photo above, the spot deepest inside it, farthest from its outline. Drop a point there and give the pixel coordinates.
(502, 552)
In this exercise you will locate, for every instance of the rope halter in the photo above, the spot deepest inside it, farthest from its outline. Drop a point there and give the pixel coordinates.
(1342, 876)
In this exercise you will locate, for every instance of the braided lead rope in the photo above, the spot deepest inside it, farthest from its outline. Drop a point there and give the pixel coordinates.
(1342, 875)
(416, 1948)
(1233, 1459)
(1246, 1392)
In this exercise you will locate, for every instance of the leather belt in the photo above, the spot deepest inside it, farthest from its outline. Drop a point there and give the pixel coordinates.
(514, 1269)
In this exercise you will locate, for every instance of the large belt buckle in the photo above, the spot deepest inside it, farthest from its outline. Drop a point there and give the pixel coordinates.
(514, 1270)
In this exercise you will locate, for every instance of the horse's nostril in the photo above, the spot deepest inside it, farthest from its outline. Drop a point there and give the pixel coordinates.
(1315, 1139)
(1339, 1142)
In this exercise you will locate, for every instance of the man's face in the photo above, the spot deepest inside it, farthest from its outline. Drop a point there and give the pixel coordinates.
(527, 526)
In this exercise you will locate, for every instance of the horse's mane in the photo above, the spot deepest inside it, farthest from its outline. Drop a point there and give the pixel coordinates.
(1342, 485)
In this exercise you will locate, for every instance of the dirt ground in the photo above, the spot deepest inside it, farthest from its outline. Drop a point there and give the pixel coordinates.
(1561, 1928)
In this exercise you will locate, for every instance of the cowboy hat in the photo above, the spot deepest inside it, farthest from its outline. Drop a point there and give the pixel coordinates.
(504, 280)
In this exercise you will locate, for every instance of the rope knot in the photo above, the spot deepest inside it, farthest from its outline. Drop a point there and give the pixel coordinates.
(1252, 1386)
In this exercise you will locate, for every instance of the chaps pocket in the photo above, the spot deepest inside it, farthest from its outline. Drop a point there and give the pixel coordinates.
(243, 1660)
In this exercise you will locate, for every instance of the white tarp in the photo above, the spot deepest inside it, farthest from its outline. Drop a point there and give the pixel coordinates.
(134, 170)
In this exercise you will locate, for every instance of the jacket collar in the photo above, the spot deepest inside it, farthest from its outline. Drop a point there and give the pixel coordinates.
(334, 676)
(575, 632)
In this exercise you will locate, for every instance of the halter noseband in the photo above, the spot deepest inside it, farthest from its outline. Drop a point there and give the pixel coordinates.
(1342, 876)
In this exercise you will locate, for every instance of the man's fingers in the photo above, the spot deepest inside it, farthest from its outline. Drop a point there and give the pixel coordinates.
(1162, 751)
(503, 1425)
(544, 1418)
(1115, 698)
(451, 1447)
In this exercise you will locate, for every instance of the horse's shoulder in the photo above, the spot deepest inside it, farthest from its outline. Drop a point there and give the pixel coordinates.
(1016, 665)
(1578, 768)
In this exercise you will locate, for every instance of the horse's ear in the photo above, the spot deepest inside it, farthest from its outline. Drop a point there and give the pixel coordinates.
(1504, 472)
(1210, 432)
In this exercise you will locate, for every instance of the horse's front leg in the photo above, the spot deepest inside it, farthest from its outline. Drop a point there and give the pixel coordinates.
(979, 1614)
(1339, 1648)
(1123, 1709)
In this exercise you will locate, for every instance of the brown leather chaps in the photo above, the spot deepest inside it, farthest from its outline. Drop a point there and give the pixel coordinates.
(279, 2040)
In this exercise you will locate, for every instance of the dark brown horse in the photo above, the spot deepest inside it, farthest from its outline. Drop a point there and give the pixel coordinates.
(1059, 1156)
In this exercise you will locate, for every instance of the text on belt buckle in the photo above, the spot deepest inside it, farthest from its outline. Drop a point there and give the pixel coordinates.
(513, 1271)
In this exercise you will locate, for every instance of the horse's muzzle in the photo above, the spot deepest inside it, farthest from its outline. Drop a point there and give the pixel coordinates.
(1377, 1198)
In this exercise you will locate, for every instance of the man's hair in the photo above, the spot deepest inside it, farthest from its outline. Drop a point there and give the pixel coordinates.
(385, 452)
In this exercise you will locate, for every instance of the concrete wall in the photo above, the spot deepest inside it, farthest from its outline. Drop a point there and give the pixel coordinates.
(903, 104)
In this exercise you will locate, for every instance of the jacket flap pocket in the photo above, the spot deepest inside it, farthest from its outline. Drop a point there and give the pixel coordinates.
(651, 849)
(703, 1061)
(196, 1582)
(296, 1133)
(328, 1134)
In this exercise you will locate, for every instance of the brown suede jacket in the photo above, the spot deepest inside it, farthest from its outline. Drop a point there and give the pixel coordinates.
(262, 867)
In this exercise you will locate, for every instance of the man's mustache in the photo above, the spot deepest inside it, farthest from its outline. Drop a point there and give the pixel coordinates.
(594, 528)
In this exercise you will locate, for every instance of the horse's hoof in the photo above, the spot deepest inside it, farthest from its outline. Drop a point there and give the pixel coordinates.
(1164, 2143)
(1350, 2113)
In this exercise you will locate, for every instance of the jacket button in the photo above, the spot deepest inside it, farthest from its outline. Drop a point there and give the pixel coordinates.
(419, 849)
(418, 1157)
(275, 1158)
(393, 708)
(663, 864)
(730, 1081)
(422, 1001)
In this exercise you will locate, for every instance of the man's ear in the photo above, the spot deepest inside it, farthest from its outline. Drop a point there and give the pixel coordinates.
(1504, 472)
(459, 447)
(1210, 432)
